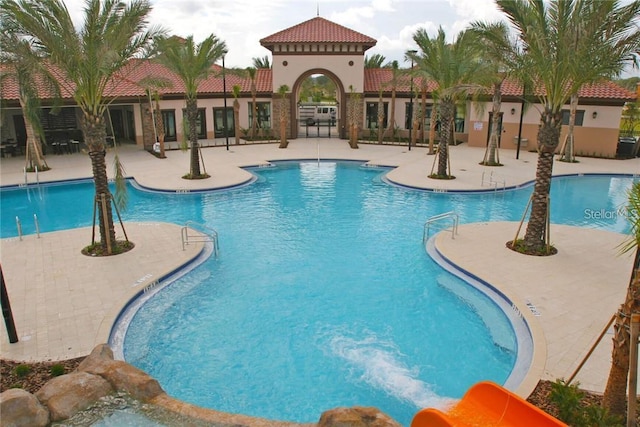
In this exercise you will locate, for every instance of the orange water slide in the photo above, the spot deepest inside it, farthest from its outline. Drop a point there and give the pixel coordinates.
(487, 404)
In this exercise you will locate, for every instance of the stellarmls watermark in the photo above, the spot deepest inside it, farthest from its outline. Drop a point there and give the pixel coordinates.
(622, 212)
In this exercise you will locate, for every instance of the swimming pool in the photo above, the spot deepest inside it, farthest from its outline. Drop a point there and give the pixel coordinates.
(337, 237)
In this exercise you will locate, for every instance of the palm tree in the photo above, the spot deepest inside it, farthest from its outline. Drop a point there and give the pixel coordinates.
(454, 68)
(235, 91)
(91, 58)
(261, 62)
(495, 47)
(564, 44)
(29, 70)
(192, 63)
(374, 61)
(152, 87)
(567, 153)
(395, 74)
(380, 117)
(615, 392)
(282, 91)
(252, 73)
(355, 118)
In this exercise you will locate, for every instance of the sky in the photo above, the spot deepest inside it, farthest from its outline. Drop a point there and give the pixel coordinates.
(242, 23)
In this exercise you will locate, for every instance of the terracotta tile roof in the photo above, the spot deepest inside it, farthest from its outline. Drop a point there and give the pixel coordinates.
(318, 30)
(602, 90)
(126, 83)
(374, 78)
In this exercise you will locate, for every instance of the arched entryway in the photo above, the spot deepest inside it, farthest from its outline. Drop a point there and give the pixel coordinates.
(341, 115)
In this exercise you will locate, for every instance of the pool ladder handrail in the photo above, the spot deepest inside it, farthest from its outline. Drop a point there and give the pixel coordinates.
(493, 182)
(26, 180)
(19, 226)
(453, 216)
(204, 234)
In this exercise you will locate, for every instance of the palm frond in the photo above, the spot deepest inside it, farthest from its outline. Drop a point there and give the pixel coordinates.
(632, 213)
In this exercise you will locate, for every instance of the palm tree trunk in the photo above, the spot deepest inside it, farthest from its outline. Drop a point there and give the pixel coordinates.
(447, 108)
(95, 133)
(192, 116)
(254, 107)
(33, 151)
(236, 120)
(432, 127)
(495, 127)
(548, 139)
(380, 118)
(423, 112)
(159, 124)
(392, 114)
(615, 393)
(568, 154)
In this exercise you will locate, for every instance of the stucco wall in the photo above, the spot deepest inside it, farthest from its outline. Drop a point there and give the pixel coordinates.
(349, 75)
(597, 136)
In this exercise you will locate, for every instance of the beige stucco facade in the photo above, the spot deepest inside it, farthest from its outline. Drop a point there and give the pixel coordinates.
(597, 136)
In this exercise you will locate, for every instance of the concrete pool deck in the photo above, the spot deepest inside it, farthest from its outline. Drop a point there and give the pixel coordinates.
(65, 303)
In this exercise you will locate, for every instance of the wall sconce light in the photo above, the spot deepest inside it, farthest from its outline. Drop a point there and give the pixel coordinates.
(595, 114)
(513, 111)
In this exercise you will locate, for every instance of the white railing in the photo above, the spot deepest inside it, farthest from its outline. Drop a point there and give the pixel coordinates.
(492, 181)
(202, 234)
(441, 217)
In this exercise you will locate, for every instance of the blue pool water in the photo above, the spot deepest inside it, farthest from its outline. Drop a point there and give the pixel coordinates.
(323, 294)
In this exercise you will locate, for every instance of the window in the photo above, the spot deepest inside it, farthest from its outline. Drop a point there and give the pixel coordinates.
(372, 115)
(579, 117)
(65, 118)
(264, 114)
(408, 109)
(169, 121)
(201, 122)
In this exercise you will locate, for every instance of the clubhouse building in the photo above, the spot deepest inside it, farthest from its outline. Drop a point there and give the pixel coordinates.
(313, 47)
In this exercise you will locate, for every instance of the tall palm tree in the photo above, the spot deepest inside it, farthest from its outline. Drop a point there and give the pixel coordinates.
(374, 61)
(252, 72)
(395, 76)
(29, 70)
(153, 86)
(282, 91)
(563, 45)
(495, 46)
(454, 67)
(92, 57)
(192, 63)
(615, 392)
(235, 91)
(261, 62)
(380, 116)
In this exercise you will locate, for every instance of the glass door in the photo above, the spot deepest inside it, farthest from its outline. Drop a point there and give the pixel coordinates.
(218, 120)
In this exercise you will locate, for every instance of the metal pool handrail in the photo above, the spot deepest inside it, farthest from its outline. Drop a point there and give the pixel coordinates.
(447, 215)
(204, 234)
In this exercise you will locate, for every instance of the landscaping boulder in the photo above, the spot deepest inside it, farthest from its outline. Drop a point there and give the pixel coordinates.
(357, 416)
(19, 408)
(67, 394)
(140, 385)
(98, 361)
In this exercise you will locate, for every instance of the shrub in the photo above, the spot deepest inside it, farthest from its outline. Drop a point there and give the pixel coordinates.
(568, 399)
(56, 370)
(22, 370)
